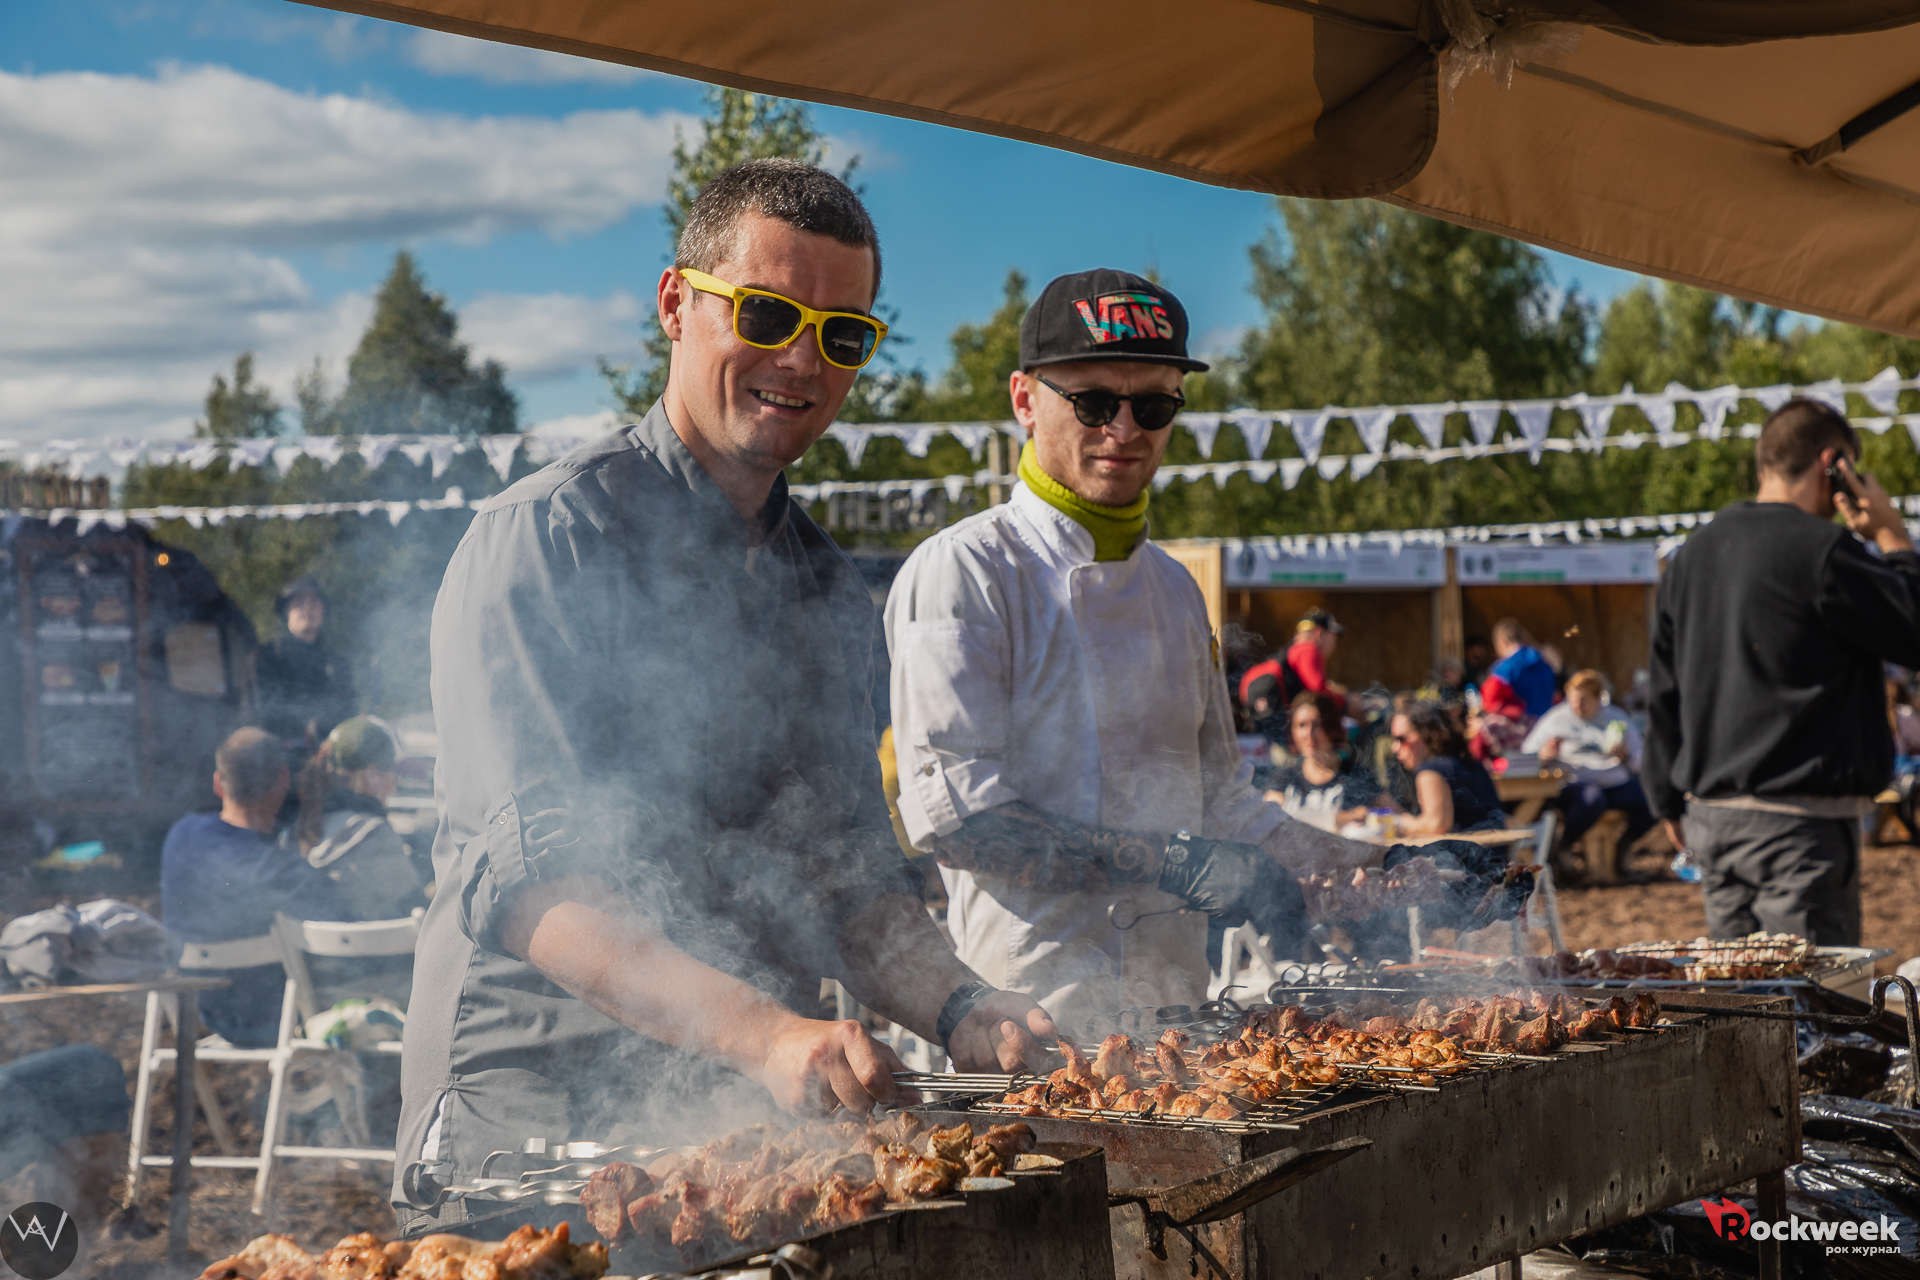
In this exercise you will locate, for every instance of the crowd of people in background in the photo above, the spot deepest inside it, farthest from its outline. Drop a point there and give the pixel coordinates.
(301, 827)
(1422, 762)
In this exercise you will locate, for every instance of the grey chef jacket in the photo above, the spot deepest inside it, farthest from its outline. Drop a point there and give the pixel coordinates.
(633, 683)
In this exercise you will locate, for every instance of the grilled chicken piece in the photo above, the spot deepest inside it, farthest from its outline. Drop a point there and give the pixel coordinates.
(1590, 1025)
(695, 1219)
(361, 1256)
(607, 1194)
(445, 1257)
(901, 1127)
(1172, 1064)
(1645, 1012)
(1541, 1036)
(842, 1200)
(1077, 1068)
(905, 1176)
(759, 1211)
(982, 1161)
(1221, 1109)
(255, 1257)
(532, 1254)
(1009, 1140)
(951, 1144)
(1116, 1057)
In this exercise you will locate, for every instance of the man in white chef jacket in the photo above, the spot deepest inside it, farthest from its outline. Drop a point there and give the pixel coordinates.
(1061, 723)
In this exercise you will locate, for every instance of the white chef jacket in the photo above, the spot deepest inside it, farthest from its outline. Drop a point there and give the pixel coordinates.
(1024, 670)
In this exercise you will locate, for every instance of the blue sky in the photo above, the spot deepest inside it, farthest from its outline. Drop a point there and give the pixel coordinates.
(182, 181)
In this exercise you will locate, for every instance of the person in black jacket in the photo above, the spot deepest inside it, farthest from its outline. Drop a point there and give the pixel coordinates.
(305, 688)
(1768, 732)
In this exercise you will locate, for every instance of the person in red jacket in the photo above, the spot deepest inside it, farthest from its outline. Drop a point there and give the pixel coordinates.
(1268, 688)
(1314, 639)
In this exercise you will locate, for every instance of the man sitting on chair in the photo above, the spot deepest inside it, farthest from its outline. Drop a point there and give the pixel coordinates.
(223, 876)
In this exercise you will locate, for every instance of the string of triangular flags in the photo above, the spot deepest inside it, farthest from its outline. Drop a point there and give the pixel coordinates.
(1289, 471)
(88, 519)
(1671, 528)
(1530, 432)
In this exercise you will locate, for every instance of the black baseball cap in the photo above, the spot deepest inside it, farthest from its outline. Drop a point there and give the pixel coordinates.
(1106, 314)
(1319, 618)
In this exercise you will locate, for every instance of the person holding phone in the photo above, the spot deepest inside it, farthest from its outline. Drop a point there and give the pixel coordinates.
(1768, 733)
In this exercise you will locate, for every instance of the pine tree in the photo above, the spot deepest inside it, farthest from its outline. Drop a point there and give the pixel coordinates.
(411, 375)
(238, 410)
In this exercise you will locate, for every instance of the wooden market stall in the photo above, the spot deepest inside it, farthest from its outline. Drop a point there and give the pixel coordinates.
(1386, 598)
(1592, 602)
(1405, 608)
(122, 666)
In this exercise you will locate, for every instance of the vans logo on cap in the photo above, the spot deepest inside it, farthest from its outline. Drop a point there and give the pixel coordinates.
(1115, 317)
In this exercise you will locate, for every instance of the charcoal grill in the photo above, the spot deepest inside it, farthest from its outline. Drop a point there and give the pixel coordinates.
(1044, 1222)
(1485, 1166)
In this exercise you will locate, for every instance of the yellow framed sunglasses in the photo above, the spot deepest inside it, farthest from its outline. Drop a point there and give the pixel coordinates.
(769, 321)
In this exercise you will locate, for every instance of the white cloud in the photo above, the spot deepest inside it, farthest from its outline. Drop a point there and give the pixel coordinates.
(148, 227)
(443, 54)
(553, 335)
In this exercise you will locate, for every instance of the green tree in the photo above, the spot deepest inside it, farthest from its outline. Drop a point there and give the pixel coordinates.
(1368, 304)
(974, 387)
(412, 375)
(738, 126)
(238, 410)
(319, 415)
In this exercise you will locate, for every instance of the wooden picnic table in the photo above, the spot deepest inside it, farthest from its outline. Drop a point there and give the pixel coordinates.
(1527, 794)
(187, 1033)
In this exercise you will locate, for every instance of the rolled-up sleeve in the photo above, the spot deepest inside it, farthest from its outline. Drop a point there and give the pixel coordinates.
(519, 643)
(952, 695)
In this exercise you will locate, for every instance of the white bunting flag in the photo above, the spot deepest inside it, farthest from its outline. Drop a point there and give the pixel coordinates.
(1536, 419)
(1310, 431)
(1882, 390)
(1256, 429)
(1205, 426)
(1372, 424)
(1431, 422)
(1484, 419)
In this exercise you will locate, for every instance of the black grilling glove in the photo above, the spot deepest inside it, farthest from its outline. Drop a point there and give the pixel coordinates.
(1234, 882)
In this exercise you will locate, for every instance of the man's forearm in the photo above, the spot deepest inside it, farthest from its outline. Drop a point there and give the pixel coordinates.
(900, 965)
(1039, 850)
(1302, 847)
(628, 971)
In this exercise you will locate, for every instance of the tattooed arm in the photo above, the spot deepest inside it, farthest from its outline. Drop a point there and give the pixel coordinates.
(1038, 850)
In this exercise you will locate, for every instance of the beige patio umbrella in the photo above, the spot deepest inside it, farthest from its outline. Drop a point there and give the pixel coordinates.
(1768, 148)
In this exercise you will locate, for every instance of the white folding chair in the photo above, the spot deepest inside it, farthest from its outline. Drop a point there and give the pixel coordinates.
(297, 941)
(198, 957)
(1543, 908)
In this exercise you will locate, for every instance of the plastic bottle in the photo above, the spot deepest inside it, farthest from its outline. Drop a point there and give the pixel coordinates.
(1686, 867)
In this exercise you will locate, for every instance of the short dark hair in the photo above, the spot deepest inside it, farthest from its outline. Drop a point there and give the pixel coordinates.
(800, 195)
(251, 763)
(1793, 436)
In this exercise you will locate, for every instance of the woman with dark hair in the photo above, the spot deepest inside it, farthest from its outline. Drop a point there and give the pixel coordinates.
(342, 829)
(1452, 791)
(1319, 787)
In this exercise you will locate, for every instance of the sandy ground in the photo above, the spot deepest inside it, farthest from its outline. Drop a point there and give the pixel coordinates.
(318, 1202)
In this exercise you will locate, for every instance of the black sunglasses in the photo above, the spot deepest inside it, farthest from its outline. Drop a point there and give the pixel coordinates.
(1096, 406)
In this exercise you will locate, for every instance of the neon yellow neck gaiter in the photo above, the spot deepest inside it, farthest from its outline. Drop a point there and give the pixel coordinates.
(1116, 530)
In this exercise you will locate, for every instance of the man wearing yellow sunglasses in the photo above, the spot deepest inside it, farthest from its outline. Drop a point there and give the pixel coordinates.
(662, 817)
